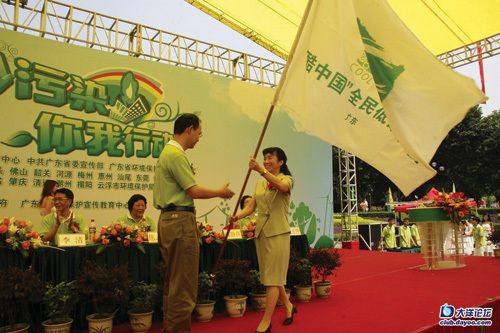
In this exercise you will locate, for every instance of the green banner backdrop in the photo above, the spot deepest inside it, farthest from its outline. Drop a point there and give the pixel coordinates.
(96, 122)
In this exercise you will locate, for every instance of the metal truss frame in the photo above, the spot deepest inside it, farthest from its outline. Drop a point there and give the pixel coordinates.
(348, 195)
(58, 21)
(470, 53)
(77, 26)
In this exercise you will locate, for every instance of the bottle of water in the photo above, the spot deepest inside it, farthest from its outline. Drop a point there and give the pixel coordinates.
(92, 229)
(144, 226)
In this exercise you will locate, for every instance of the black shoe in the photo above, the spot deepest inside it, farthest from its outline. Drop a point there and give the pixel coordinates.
(289, 320)
(266, 331)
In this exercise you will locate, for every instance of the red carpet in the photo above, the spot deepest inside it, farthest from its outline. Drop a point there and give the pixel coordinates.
(381, 292)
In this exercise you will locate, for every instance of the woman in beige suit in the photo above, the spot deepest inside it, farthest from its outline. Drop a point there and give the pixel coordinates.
(272, 234)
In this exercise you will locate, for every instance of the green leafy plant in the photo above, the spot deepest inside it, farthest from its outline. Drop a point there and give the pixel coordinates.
(494, 237)
(233, 277)
(144, 297)
(206, 288)
(255, 286)
(18, 289)
(299, 270)
(59, 301)
(325, 262)
(106, 289)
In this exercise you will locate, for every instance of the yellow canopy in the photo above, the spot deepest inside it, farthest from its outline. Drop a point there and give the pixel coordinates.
(441, 25)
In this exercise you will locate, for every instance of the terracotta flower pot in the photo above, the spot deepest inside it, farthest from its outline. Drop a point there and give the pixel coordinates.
(204, 312)
(303, 294)
(236, 307)
(100, 322)
(323, 289)
(62, 327)
(17, 328)
(258, 301)
(141, 322)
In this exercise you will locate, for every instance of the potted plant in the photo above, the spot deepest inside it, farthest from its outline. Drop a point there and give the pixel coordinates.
(494, 238)
(233, 277)
(299, 270)
(257, 291)
(144, 298)
(18, 289)
(107, 290)
(59, 301)
(325, 262)
(204, 309)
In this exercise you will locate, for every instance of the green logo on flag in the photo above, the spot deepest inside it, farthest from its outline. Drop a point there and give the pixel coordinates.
(384, 73)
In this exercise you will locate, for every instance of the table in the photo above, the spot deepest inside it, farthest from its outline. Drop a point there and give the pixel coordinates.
(56, 265)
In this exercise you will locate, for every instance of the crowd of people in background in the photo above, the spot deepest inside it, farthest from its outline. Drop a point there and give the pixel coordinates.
(475, 234)
(488, 201)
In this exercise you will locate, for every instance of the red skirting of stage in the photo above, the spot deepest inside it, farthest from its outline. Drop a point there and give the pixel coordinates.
(382, 292)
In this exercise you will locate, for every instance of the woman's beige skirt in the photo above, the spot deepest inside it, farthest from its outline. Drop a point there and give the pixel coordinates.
(273, 254)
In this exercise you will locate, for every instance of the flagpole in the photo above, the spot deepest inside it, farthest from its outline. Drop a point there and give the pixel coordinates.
(271, 109)
(261, 138)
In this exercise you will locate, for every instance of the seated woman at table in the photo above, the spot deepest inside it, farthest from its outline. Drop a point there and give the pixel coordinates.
(46, 204)
(245, 201)
(136, 216)
(64, 220)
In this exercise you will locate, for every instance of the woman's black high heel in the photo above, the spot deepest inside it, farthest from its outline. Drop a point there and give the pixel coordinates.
(289, 320)
(266, 331)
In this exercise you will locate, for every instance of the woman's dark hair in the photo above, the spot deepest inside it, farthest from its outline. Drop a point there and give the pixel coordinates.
(133, 199)
(488, 216)
(281, 157)
(242, 201)
(184, 121)
(68, 193)
(47, 189)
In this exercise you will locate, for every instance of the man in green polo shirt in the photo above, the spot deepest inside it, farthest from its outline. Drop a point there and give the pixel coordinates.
(64, 220)
(175, 187)
(478, 236)
(388, 236)
(405, 234)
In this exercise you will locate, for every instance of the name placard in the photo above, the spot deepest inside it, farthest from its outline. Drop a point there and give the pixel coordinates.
(295, 231)
(152, 237)
(233, 233)
(64, 240)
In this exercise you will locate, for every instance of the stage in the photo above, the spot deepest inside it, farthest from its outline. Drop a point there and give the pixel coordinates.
(382, 292)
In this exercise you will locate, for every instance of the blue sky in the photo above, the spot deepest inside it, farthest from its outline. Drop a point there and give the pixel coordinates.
(177, 16)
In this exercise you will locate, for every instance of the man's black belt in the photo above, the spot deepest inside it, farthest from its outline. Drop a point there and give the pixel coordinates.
(173, 208)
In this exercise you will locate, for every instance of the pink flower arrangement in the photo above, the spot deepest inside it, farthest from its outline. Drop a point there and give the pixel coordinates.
(118, 233)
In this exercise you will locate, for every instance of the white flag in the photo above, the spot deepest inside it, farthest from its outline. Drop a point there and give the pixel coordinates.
(358, 79)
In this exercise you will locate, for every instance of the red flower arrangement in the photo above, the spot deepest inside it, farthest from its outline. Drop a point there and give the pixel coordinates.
(121, 234)
(17, 235)
(248, 230)
(207, 234)
(456, 205)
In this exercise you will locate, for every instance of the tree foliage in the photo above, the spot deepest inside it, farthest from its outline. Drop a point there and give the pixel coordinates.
(470, 155)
